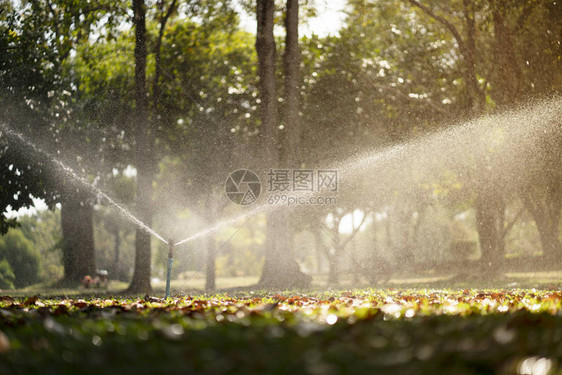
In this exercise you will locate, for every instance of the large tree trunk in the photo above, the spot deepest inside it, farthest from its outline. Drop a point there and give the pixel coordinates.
(550, 243)
(116, 271)
(318, 247)
(77, 222)
(291, 64)
(509, 77)
(489, 228)
(478, 96)
(355, 255)
(544, 205)
(335, 257)
(280, 269)
(292, 107)
(488, 211)
(265, 47)
(144, 156)
(546, 208)
(475, 97)
(211, 267)
(156, 90)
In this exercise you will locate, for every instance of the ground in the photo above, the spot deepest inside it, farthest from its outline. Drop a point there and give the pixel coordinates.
(356, 331)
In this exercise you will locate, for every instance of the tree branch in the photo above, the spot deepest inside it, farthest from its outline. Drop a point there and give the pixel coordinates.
(169, 13)
(441, 20)
(524, 15)
(535, 211)
(352, 235)
(508, 227)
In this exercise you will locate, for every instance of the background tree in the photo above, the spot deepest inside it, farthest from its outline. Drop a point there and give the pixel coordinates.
(43, 35)
(210, 117)
(23, 259)
(144, 155)
(280, 269)
(7, 276)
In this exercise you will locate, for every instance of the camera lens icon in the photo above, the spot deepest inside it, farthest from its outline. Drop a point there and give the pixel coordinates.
(243, 187)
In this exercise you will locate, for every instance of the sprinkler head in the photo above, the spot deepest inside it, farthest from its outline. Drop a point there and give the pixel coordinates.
(170, 249)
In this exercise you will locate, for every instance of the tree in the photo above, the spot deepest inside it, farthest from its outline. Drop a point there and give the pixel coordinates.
(522, 71)
(209, 117)
(43, 229)
(78, 258)
(36, 89)
(24, 260)
(7, 276)
(280, 268)
(291, 65)
(542, 194)
(489, 204)
(144, 155)
(475, 95)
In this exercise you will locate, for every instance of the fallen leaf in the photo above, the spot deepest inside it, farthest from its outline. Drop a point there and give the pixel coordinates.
(30, 301)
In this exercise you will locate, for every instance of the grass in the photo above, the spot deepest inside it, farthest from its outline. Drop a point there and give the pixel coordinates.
(196, 285)
(355, 331)
(424, 325)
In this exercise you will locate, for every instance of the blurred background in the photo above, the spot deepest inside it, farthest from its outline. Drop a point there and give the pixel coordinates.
(441, 118)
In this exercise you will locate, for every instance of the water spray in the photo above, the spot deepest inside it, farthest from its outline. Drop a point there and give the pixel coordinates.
(76, 177)
(170, 264)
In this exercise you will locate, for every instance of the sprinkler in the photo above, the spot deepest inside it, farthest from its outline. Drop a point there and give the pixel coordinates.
(170, 263)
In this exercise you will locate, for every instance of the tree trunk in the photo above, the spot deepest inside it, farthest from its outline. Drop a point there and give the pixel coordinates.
(374, 253)
(478, 96)
(164, 16)
(334, 257)
(546, 212)
(280, 269)
(265, 47)
(388, 232)
(116, 269)
(77, 222)
(489, 227)
(318, 247)
(291, 64)
(502, 231)
(550, 243)
(333, 275)
(211, 267)
(144, 156)
(354, 254)
(475, 102)
(292, 130)
(487, 211)
(509, 76)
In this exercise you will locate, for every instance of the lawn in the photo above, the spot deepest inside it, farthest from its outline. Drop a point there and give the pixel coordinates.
(517, 331)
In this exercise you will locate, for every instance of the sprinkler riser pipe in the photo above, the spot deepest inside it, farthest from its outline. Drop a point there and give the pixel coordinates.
(170, 264)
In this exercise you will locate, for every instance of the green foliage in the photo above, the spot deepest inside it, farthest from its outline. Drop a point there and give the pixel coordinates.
(393, 73)
(44, 230)
(22, 257)
(37, 39)
(7, 276)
